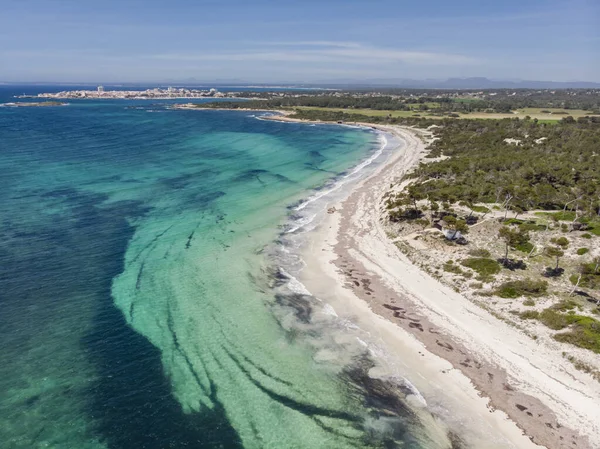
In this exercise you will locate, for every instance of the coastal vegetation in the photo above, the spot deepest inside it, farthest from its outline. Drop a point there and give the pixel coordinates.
(582, 331)
(528, 194)
(391, 105)
(420, 118)
(484, 267)
(522, 287)
(481, 165)
(439, 112)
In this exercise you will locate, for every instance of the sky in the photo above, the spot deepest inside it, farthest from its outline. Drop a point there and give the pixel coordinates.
(271, 41)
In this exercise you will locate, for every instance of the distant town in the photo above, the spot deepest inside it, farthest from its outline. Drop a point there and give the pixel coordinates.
(155, 93)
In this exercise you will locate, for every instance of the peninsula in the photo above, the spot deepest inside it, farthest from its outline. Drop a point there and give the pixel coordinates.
(150, 94)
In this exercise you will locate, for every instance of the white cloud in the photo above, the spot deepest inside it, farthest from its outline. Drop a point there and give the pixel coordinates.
(327, 52)
(310, 44)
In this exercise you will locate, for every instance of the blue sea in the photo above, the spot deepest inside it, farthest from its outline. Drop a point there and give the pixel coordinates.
(140, 306)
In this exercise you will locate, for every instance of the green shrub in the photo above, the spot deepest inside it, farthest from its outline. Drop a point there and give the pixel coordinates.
(590, 276)
(524, 247)
(584, 334)
(450, 267)
(565, 215)
(582, 251)
(529, 302)
(561, 216)
(554, 320)
(579, 337)
(586, 236)
(529, 315)
(563, 242)
(480, 209)
(532, 226)
(524, 287)
(565, 305)
(479, 252)
(485, 268)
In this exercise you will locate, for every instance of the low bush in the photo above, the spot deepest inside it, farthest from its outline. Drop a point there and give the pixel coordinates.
(450, 267)
(586, 236)
(563, 242)
(529, 302)
(584, 334)
(529, 315)
(480, 209)
(592, 226)
(554, 319)
(479, 252)
(522, 287)
(531, 226)
(564, 215)
(560, 216)
(584, 331)
(588, 277)
(484, 267)
(582, 251)
(524, 247)
(595, 230)
(565, 305)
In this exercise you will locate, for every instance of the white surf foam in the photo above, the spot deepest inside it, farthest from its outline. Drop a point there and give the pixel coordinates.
(416, 393)
(328, 310)
(301, 222)
(362, 342)
(341, 182)
(294, 284)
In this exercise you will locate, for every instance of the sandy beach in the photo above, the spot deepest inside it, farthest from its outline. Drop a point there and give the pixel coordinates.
(488, 380)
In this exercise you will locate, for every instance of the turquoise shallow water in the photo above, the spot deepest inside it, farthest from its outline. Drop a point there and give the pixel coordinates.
(139, 306)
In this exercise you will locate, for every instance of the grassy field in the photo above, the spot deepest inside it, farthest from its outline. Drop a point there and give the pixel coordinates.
(431, 105)
(549, 114)
(538, 113)
(369, 112)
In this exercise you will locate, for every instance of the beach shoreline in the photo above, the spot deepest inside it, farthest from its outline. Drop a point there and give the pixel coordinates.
(352, 265)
